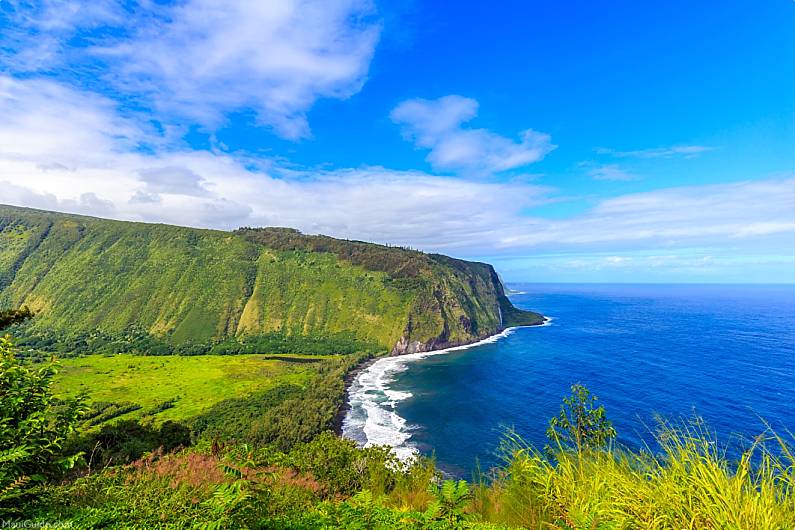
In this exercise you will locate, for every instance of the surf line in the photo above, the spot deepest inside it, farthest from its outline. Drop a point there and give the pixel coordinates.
(371, 417)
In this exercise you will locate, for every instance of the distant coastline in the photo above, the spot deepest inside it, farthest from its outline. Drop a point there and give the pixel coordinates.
(632, 346)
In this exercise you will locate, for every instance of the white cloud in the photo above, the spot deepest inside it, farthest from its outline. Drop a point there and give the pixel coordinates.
(634, 262)
(173, 179)
(143, 197)
(203, 59)
(55, 125)
(750, 214)
(612, 172)
(89, 203)
(69, 151)
(35, 34)
(765, 228)
(674, 151)
(60, 151)
(682, 265)
(437, 125)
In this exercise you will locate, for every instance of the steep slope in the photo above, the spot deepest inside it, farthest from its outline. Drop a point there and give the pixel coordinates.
(184, 284)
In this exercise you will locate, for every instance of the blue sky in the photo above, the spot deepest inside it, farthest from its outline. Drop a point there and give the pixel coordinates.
(561, 141)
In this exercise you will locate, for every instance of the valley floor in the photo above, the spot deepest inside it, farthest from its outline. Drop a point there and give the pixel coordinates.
(189, 385)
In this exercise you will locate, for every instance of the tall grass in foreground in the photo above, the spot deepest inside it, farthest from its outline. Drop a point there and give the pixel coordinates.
(329, 483)
(581, 482)
(689, 484)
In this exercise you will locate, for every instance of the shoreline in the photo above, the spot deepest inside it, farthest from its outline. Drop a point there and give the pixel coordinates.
(377, 381)
(345, 406)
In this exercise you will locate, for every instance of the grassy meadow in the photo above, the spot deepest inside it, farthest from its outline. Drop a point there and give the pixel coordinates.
(191, 385)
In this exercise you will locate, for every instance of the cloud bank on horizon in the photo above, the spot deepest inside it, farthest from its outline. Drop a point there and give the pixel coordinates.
(101, 102)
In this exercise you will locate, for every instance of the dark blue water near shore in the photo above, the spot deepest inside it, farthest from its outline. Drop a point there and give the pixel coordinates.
(725, 352)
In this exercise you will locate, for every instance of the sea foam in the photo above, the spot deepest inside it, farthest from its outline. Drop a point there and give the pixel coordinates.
(372, 417)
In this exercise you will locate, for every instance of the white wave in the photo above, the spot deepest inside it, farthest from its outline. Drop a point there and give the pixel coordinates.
(396, 395)
(372, 418)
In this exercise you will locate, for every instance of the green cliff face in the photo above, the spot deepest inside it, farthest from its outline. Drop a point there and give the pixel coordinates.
(183, 284)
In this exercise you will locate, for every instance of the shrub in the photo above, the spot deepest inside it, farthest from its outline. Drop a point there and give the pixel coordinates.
(581, 425)
(14, 316)
(33, 426)
(127, 440)
(344, 468)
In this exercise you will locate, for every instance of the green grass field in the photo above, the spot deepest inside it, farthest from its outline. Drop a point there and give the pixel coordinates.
(194, 384)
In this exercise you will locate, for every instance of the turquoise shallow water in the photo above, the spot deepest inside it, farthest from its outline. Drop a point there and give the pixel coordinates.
(726, 353)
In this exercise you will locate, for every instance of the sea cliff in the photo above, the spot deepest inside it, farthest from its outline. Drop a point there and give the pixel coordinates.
(83, 274)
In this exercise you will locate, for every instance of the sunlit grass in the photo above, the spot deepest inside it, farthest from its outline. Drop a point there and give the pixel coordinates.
(194, 384)
(690, 483)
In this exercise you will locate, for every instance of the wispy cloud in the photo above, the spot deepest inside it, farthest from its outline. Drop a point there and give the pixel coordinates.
(44, 163)
(36, 35)
(201, 59)
(437, 125)
(749, 214)
(675, 151)
(55, 125)
(634, 261)
(611, 172)
(700, 265)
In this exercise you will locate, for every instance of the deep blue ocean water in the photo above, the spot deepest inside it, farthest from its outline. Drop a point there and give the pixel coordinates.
(725, 353)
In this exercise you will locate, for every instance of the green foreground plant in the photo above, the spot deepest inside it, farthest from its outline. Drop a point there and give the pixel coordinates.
(33, 427)
(581, 424)
(309, 480)
(689, 484)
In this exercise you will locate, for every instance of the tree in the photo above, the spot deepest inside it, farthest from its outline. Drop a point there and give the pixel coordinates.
(33, 426)
(14, 316)
(581, 425)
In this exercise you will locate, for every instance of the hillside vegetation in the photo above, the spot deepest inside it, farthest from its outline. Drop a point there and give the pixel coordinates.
(250, 448)
(184, 285)
(582, 480)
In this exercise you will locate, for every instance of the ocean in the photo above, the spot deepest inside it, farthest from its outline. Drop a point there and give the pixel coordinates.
(724, 353)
